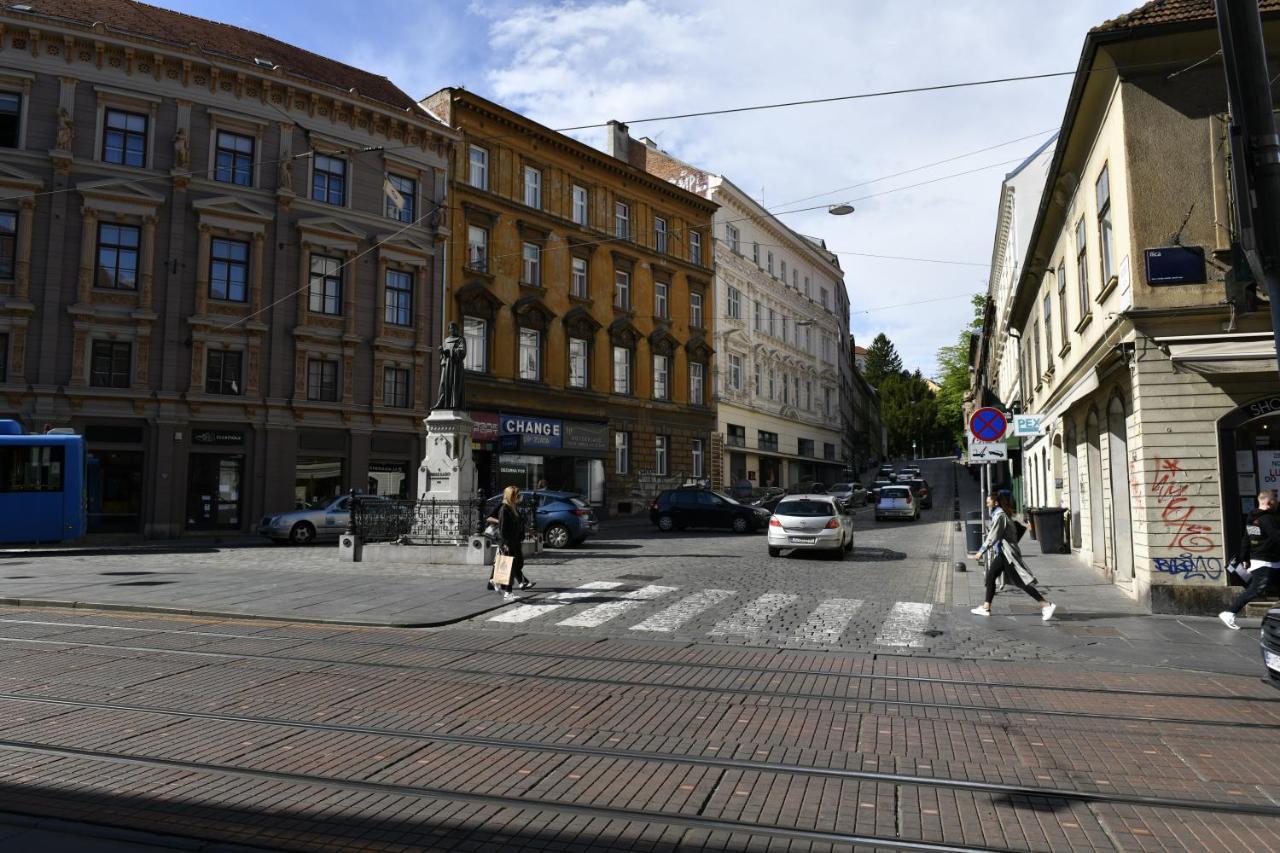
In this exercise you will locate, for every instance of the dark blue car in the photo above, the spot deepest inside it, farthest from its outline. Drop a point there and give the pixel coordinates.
(562, 518)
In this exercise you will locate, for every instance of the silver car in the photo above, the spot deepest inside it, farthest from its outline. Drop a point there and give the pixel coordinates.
(324, 520)
(810, 523)
(897, 502)
(851, 493)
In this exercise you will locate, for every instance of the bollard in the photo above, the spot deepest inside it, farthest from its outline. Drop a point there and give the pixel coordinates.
(350, 548)
(960, 566)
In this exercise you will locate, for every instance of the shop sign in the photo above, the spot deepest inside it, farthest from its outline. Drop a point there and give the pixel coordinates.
(1175, 265)
(485, 426)
(1263, 407)
(584, 436)
(217, 436)
(388, 467)
(535, 433)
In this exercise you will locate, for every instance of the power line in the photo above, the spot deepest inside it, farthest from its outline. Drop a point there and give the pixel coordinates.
(911, 304)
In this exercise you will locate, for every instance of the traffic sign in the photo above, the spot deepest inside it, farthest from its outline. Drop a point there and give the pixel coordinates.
(981, 452)
(1027, 424)
(988, 424)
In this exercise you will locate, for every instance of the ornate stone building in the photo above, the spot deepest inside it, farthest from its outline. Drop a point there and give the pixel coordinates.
(218, 261)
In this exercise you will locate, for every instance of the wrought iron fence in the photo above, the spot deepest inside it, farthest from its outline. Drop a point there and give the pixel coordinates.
(417, 522)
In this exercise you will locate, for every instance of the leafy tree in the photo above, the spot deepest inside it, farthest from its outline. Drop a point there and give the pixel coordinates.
(882, 360)
(909, 411)
(953, 376)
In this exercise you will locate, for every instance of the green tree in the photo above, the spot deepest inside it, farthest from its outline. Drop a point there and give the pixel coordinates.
(882, 360)
(953, 374)
(909, 411)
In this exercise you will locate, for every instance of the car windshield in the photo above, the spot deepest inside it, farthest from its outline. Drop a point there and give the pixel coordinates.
(805, 508)
(842, 487)
(319, 503)
(895, 493)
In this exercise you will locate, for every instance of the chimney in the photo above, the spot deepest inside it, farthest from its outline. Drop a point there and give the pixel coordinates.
(619, 141)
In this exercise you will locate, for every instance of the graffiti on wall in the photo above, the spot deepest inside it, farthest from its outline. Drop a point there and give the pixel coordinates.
(1177, 510)
(1189, 567)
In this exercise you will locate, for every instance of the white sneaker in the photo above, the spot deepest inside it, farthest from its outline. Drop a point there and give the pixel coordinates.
(1229, 619)
(1046, 613)
(980, 611)
(509, 596)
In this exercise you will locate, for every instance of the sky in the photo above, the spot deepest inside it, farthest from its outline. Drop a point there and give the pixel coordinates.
(569, 64)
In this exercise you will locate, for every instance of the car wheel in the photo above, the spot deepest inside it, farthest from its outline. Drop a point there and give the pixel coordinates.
(557, 536)
(666, 523)
(303, 533)
(848, 546)
(740, 525)
(775, 552)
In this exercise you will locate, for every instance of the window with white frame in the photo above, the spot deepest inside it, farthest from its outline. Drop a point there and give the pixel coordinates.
(735, 372)
(1048, 330)
(759, 384)
(695, 309)
(533, 187)
(783, 273)
(577, 363)
(660, 234)
(477, 247)
(322, 380)
(695, 383)
(806, 287)
(661, 306)
(622, 220)
(1082, 269)
(475, 330)
(530, 355)
(124, 138)
(531, 271)
(401, 198)
(661, 375)
(621, 451)
(399, 298)
(622, 289)
(795, 278)
(755, 253)
(1105, 249)
(580, 205)
(478, 171)
(621, 370)
(329, 179)
(773, 383)
(578, 285)
(661, 445)
(395, 387)
(732, 238)
(759, 316)
(325, 295)
(769, 266)
(1062, 300)
(695, 248)
(696, 457)
(733, 303)
(822, 297)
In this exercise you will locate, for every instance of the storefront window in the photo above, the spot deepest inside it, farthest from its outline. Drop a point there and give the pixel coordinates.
(115, 491)
(213, 491)
(318, 480)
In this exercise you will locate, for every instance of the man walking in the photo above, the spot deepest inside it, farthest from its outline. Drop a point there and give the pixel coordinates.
(1260, 549)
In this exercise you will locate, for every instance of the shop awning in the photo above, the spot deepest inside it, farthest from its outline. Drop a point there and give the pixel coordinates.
(1242, 352)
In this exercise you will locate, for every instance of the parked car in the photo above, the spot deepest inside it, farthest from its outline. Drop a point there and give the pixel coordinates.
(885, 472)
(562, 519)
(1271, 645)
(907, 473)
(808, 487)
(676, 509)
(325, 519)
(897, 501)
(879, 484)
(851, 493)
(920, 488)
(816, 522)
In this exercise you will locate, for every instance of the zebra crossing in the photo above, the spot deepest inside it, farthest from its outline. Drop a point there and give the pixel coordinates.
(605, 604)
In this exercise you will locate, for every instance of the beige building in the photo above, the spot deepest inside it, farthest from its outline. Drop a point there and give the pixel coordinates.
(1162, 417)
(202, 269)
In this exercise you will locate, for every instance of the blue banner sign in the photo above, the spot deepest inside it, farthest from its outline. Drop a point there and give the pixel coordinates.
(535, 433)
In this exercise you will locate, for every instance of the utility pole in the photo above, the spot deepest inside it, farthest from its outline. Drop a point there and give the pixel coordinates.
(1255, 147)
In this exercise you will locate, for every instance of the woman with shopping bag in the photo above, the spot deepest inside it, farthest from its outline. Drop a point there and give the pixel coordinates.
(508, 567)
(1006, 558)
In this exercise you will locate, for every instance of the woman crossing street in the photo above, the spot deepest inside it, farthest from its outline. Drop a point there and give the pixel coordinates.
(1006, 559)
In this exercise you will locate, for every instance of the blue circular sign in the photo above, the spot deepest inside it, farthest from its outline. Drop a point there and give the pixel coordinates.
(988, 424)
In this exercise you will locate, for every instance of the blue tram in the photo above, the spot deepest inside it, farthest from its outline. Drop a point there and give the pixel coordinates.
(42, 486)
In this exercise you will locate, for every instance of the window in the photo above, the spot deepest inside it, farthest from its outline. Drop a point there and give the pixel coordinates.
(621, 370)
(222, 372)
(1048, 330)
(1103, 190)
(10, 118)
(8, 244)
(399, 298)
(32, 469)
(661, 373)
(660, 234)
(531, 271)
(731, 237)
(773, 384)
(773, 323)
(109, 364)
(735, 372)
(695, 248)
(661, 444)
(696, 456)
(786, 389)
(759, 383)
(1062, 300)
(580, 205)
(784, 329)
(4, 357)
(769, 265)
(767, 440)
(533, 187)
(322, 380)
(478, 171)
(828, 450)
(804, 446)
(401, 196)
(577, 363)
(808, 394)
(476, 332)
(759, 317)
(395, 387)
(228, 270)
(806, 287)
(329, 180)
(755, 253)
(477, 248)
(326, 285)
(695, 309)
(1082, 269)
(734, 303)
(695, 383)
(578, 278)
(233, 158)
(530, 355)
(737, 436)
(118, 256)
(1035, 343)
(822, 296)
(622, 220)
(783, 273)
(795, 279)
(124, 138)
(660, 306)
(621, 451)
(622, 289)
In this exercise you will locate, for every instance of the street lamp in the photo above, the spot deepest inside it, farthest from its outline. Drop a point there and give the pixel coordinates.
(842, 209)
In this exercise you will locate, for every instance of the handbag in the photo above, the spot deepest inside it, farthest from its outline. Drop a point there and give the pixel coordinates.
(1019, 530)
(502, 566)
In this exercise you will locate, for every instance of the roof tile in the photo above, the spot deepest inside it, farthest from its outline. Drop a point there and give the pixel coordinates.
(1170, 12)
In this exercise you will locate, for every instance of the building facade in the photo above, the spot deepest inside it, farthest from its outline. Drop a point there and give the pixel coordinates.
(783, 390)
(1162, 419)
(203, 271)
(584, 288)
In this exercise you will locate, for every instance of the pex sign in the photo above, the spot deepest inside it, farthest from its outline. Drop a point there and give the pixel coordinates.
(1027, 424)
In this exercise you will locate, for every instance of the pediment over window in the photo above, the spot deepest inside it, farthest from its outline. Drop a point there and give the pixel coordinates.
(331, 232)
(698, 348)
(17, 179)
(477, 300)
(580, 323)
(232, 214)
(127, 198)
(662, 341)
(531, 313)
(623, 333)
(403, 248)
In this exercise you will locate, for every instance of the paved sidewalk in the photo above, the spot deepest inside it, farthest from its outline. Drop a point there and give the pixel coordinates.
(1096, 617)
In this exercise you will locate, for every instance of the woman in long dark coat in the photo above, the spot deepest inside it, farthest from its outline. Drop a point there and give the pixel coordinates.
(512, 527)
(1006, 559)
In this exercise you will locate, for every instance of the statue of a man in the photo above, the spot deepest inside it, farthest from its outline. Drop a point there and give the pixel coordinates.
(181, 150)
(66, 129)
(453, 353)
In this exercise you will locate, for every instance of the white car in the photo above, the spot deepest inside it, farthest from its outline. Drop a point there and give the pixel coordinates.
(810, 523)
(897, 502)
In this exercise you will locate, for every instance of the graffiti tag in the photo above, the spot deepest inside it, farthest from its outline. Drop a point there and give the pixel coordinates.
(1190, 567)
(1177, 509)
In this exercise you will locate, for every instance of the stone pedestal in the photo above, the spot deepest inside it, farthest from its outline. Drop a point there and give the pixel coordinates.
(447, 472)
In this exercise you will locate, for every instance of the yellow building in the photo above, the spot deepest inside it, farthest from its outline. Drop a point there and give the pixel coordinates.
(583, 287)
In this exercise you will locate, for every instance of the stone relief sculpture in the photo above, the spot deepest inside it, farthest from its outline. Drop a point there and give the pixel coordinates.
(453, 353)
(181, 149)
(66, 129)
(286, 170)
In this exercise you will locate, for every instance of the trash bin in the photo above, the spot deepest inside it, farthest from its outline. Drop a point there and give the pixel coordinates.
(1050, 528)
(973, 531)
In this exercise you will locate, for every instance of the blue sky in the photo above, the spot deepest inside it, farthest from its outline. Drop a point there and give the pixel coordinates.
(567, 64)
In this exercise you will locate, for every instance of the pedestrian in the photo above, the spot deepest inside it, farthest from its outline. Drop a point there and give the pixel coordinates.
(512, 527)
(1006, 558)
(542, 486)
(1260, 550)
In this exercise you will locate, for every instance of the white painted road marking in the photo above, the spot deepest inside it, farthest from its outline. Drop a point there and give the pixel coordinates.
(904, 624)
(684, 610)
(593, 617)
(525, 612)
(753, 620)
(828, 622)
